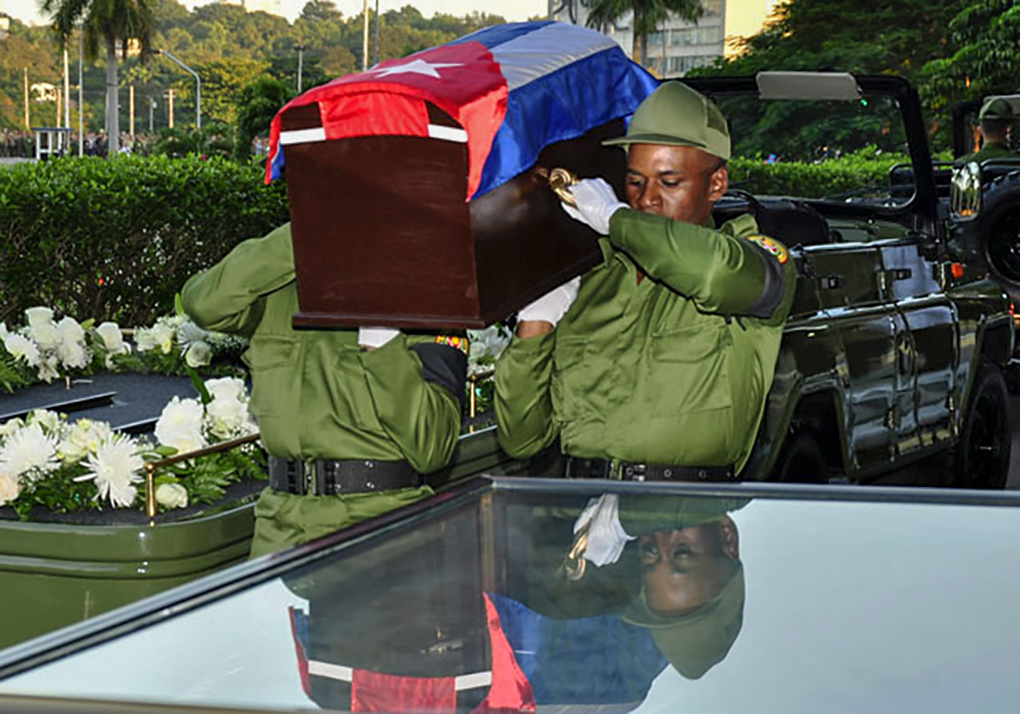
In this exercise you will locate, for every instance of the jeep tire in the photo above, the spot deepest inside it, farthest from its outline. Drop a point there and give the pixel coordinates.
(801, 461)
(982, 454)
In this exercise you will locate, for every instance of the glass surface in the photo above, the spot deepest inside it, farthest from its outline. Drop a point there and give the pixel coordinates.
(713, 604)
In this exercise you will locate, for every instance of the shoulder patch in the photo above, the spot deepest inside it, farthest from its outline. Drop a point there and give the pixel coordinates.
(772, 246)
(457, 343)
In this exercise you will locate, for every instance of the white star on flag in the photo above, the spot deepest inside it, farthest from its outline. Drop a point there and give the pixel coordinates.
(417, 67)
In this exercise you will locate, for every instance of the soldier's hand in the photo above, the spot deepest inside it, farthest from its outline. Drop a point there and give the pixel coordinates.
(551, 306)
(596, 204)
(606, 537)
(375, 337)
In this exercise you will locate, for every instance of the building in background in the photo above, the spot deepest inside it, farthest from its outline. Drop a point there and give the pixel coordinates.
(680, 46)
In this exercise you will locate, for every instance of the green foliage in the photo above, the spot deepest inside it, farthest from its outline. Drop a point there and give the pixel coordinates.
(258, 104)
(843, 176)
(213, 140)
(116, 240)
(14, 373)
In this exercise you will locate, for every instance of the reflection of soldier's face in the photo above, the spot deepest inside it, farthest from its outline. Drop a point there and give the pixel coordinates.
(683, 569)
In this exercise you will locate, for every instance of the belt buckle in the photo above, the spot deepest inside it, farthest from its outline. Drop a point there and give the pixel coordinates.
(633, 472)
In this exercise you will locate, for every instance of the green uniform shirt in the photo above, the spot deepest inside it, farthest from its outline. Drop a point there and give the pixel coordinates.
(988, 151)
(673, 370)
(316, 393)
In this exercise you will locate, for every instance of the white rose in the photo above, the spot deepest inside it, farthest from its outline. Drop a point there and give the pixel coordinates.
(70, 330)
(227, 418)
(199, 354)
(180, 425)
(38, 316)
(227, 388)
(113, 338)
(20, 347)
(10, 487)
(46, 335)
(172, 495)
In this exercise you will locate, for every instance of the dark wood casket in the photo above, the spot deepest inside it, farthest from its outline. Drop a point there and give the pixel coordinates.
(449, 223)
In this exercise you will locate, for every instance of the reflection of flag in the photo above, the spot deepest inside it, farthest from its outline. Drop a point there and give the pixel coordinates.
(513, 89)
(590, 660)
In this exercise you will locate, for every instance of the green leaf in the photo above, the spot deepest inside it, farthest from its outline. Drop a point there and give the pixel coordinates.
(199, 385)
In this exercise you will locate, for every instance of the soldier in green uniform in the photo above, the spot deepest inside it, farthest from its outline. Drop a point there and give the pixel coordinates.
(657, 363)
(996, 122)
(351, 418)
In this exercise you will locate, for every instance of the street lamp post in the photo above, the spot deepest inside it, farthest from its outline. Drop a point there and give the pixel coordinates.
(198, 87)
(300, 52)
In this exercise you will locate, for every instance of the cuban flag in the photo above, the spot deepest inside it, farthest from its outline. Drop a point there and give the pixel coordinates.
(513, 89)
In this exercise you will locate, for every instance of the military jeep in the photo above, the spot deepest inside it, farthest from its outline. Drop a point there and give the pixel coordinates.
(892, 352)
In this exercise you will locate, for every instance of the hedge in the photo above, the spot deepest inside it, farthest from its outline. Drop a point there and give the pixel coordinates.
(115, 240)
(839, 177)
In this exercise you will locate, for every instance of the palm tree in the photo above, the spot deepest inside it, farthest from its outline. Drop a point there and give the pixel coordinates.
(648, 15)
(106, 23)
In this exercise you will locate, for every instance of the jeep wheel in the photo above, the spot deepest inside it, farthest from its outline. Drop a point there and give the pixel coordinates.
(801, 461)
(997, 229)
(982, 454)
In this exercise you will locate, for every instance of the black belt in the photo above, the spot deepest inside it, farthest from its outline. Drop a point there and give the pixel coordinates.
(331, 477)
(578, 467)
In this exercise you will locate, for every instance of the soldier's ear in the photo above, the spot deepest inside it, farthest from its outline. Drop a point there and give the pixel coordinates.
(718, 183)
(730, 538)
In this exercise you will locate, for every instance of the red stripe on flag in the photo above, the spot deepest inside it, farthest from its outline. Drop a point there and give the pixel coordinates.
(302, 657)
(510, 691)
(373, 692)
(468, 85)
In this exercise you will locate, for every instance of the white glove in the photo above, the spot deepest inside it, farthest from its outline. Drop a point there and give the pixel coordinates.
(553, 305)
(606, 537)
(596, 204)
(375, 336)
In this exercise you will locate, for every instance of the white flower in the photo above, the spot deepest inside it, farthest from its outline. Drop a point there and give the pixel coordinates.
(115, 468)
(70, 330)
(49, 420)
(10, 426)
(10, 487)
(46, 335)
(188, 332)
(20, 347)
(485, 347)
(227, 388)
(145, 341)
(113, 338)
(73, 354)
(38, 316)
(3, 331)
(48, 368)
(82, 439)
(172, 495)
(228, 419)
(29, 452)
(180, 425)
(163, 337)
(198, 354)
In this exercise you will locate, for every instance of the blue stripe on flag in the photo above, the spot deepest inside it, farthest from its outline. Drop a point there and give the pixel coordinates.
(591, 660)
(563, 105)
(498, 34)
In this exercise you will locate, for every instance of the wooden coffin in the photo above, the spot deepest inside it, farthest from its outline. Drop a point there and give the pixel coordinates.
(384, 237)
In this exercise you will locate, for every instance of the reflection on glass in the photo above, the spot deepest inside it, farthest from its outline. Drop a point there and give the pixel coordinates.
(661, 584)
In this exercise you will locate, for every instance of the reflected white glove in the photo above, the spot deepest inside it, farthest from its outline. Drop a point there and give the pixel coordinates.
(553, 305)
(375, 336)
(596, 204)
(606, 537)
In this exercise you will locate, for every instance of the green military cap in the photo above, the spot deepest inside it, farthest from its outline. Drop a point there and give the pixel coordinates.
(676, 115)
(695, 641)
(996, 108)
(641, 514)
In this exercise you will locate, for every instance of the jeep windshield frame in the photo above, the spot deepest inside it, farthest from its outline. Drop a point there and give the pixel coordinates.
(920, 211)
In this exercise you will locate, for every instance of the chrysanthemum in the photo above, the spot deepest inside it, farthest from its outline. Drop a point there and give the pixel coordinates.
(20, 347)
(116, 468)
(29, 452)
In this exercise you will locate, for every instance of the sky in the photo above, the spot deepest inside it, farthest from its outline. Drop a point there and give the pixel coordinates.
(25, 10)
